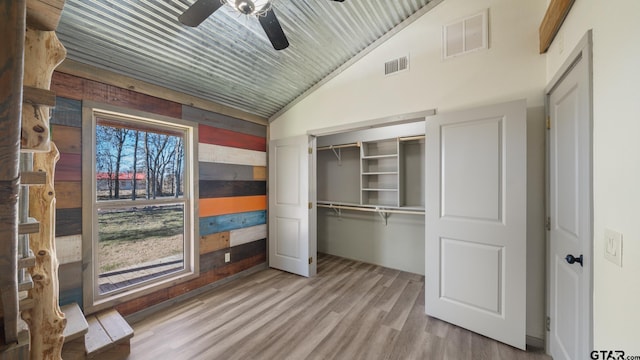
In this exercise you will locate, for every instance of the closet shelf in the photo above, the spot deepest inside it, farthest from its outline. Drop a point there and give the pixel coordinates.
(378, 189)
(385, 156)
(380, 173)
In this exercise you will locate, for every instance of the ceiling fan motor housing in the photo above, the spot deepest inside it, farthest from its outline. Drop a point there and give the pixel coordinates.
(246, 7)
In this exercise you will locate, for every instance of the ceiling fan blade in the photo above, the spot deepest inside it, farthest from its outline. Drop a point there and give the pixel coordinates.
(199, 11)
(272, 27)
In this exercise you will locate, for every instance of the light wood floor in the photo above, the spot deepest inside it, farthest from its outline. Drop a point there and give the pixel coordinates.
(350, 310)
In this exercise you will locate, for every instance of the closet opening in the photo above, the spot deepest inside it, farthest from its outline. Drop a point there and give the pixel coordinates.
(371, 194)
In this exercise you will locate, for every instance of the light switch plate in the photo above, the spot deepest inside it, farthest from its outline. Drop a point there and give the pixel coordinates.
(227, 257)
(613, 246)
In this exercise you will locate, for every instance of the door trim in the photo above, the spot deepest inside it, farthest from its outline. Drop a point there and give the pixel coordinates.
(583, 51)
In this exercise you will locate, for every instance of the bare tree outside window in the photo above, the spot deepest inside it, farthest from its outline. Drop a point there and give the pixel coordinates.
(140, 201)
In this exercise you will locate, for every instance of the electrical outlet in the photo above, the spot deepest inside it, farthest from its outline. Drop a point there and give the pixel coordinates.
(613, 246)
(227, 257)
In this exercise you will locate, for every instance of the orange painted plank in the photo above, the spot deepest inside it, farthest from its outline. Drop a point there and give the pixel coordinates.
(232, 205)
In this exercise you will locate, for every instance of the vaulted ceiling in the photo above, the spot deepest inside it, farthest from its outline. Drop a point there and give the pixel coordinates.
(228, 58)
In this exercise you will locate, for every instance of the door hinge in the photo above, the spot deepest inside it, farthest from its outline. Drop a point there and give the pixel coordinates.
(548, 122)
(548, 323)
(310, 150)
(310, 205)
(310, 260)
(547, 224)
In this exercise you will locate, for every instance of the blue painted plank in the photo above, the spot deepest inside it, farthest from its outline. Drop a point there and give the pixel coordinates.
(71, 296)
(220, 223)
(67, 112)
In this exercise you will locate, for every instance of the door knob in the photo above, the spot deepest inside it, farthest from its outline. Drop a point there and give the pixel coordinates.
(572, 259)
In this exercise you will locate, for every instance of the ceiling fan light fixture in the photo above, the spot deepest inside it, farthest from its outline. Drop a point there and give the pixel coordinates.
(250, 7)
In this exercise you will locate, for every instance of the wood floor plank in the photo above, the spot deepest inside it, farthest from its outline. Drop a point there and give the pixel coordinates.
(243, 330)
(345, 312)
(400, 311)
(302, 349)
(458, 344)
(363, 331)
(339, 340)
(391, 295)
(379, 345)
(290, 323)
(413, 332)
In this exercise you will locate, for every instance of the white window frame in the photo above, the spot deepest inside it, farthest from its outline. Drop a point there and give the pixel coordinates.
(92, 299)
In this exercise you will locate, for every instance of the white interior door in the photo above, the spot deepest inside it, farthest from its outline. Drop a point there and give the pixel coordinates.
(570, 215)
(292, 234)
(475, 262)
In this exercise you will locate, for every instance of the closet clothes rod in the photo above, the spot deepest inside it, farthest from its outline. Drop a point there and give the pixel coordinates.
(371, 209)
(331, 147)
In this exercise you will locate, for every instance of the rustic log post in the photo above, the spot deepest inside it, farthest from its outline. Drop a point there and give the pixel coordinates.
(43, 53)
(12, 34)
(44, 14)
(45, 319)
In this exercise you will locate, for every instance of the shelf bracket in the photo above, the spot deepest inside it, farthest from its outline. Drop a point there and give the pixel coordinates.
(337, 211)
(384, 215)
(338, 155)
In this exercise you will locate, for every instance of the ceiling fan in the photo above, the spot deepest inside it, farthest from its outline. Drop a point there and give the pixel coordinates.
(202, 9)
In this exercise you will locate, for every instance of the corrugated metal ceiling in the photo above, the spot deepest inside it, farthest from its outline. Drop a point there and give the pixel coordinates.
(228, 58)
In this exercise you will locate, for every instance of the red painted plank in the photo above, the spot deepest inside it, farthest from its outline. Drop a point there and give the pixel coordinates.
(112, 95)
(77, 88)
(216, 136)
(69, 167)
(67, 86)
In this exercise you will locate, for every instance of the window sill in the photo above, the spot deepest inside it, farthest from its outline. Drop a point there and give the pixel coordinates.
(92, 305)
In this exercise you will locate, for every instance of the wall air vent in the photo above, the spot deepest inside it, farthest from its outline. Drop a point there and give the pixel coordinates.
(466, 35)
(396, 65)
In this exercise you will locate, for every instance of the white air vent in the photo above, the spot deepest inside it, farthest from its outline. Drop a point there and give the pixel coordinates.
(396, 65)
(466, 35)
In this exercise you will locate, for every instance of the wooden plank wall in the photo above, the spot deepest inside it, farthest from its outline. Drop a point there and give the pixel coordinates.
(232, 186)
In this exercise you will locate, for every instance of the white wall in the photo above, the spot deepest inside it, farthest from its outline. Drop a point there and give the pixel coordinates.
(511, 69)
(616, 160)
(364, 236)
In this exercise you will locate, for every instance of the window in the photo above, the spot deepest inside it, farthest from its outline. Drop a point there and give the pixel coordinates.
(141, 223)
